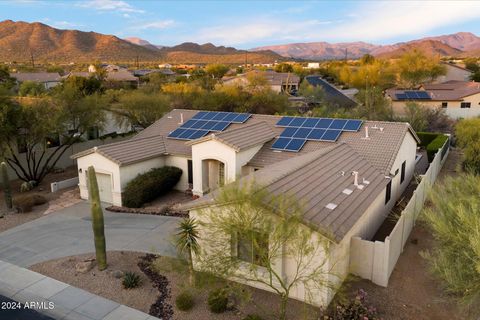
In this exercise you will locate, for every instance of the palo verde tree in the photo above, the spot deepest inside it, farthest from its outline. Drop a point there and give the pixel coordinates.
(250, 233)
(35, 136)
(415, 68)
(454, 220)
(468, 138)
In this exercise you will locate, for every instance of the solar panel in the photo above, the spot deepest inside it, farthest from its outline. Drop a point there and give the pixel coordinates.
(296, 122)
(316, 134)
(200, 115)
(352, 125)
(198, 134)
(198, 124)
(209, 125)
(189, 123)
(295, 145)
(209, 115)
(186, 134)
(281, 143)
(230, 117)
(241, 118)
(331, 135)
(324, 123)
(423, 95)
(219, 116)
(176, 133)
(401, 96)
(288, 132)
(220, 126)
(284, 121)
(310, 122)
(338, 124)
(302, 133)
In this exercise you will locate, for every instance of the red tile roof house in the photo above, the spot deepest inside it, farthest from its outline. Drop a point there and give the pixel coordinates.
(320, 173)
(459, 99)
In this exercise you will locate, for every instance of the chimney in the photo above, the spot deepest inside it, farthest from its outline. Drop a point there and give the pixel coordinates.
(181, 118)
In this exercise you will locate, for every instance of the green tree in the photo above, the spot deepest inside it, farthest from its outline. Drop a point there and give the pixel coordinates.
(467, 132)
(283, 67)
(31, 89)
(249, 223)
(265, 102)
(454, 220)
(187, 243)
(416, 115)
(367, 59)
(416, 68)
(216, 71)
(140, 109)
(475, 76)
(45, 130)
(5, 79)
(472, 64)
(373, 105)
(312, 94)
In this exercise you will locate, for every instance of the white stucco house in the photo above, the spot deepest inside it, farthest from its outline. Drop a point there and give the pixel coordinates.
(349, 173)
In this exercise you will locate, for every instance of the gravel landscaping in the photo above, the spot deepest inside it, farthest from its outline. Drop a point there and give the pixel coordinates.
(162, 281)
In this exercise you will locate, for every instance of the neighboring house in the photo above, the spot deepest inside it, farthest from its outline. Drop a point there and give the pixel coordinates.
(48, 79)
(121, 76)
(454, 73)
(332, 94)
(349, 177)
(144, 72)
(459, 99)
(278, 81)
(313, 65)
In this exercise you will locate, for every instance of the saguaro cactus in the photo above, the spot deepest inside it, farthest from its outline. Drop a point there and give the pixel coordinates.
(7, 190)
(97, 220)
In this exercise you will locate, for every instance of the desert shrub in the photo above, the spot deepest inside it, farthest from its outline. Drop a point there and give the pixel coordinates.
(131, 280)
(433, 146)
(468, 138)
(252, 317)
(356, 309)
(184, 301)
(150, 185)
(218, 300)
(27, 186)
(25, 203)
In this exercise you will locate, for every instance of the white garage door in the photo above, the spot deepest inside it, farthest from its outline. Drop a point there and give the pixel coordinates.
(105, 187)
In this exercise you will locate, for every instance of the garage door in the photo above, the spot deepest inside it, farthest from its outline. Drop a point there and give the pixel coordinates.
(105, 187)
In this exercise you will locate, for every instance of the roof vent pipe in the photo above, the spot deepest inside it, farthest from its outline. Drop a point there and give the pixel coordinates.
(181, 118)
(367, 137)
(355, 178)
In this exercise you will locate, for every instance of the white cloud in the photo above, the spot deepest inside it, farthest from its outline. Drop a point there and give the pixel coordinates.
(110, 5)
(260, 29)
(384, 20)
(61, 24)
(160, 24)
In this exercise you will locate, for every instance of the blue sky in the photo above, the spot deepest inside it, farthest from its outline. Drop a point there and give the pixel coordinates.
(247, 24)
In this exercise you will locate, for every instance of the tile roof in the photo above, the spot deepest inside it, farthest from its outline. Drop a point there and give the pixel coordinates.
(243, 137)
(129, 151)
(317, 179)
(380, 149)
(331, 93)
(448, 91)
(37, 76)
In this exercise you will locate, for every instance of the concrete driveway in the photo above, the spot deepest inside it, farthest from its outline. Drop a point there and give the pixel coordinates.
(69, 232)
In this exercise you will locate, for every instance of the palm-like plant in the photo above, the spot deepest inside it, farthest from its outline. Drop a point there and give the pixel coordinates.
(187, 243)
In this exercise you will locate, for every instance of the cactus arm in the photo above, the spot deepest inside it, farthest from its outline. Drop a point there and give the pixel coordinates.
(97, 219)
(7, 190)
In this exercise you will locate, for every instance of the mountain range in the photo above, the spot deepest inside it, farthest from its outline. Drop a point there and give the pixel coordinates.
(457, 44)
(22, 41)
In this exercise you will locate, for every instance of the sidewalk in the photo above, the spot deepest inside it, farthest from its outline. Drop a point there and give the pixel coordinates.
(60, 300)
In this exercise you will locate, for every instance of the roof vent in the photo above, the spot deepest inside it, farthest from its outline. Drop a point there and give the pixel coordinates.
(375, 126)
(181, 118)
(366, 182)
(381, 129)
(95, 149)
(347, 191)
(367, 137)
(331, 206)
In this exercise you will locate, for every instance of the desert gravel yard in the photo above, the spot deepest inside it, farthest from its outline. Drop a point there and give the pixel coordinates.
(106, 284)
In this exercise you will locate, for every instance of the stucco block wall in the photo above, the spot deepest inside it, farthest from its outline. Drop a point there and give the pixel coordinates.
(182, 163)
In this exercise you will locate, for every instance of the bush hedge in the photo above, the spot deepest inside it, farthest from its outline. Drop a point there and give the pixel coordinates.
(435, 145)
(218, 300)
(25, 203)
(150, 185)
(427, 137)
(184, 301)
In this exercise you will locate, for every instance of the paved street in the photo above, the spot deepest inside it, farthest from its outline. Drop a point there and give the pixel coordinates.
(69, 232)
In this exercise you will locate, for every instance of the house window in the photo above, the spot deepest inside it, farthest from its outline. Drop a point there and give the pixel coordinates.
(252, 247)
(388, 192)
(444, 104)
(402, 175)
(221, 174)
(190, 171)
(465, 105)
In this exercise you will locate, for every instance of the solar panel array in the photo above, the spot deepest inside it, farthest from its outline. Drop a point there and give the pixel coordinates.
(206, 121)
(299, 130)
(413, 95)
